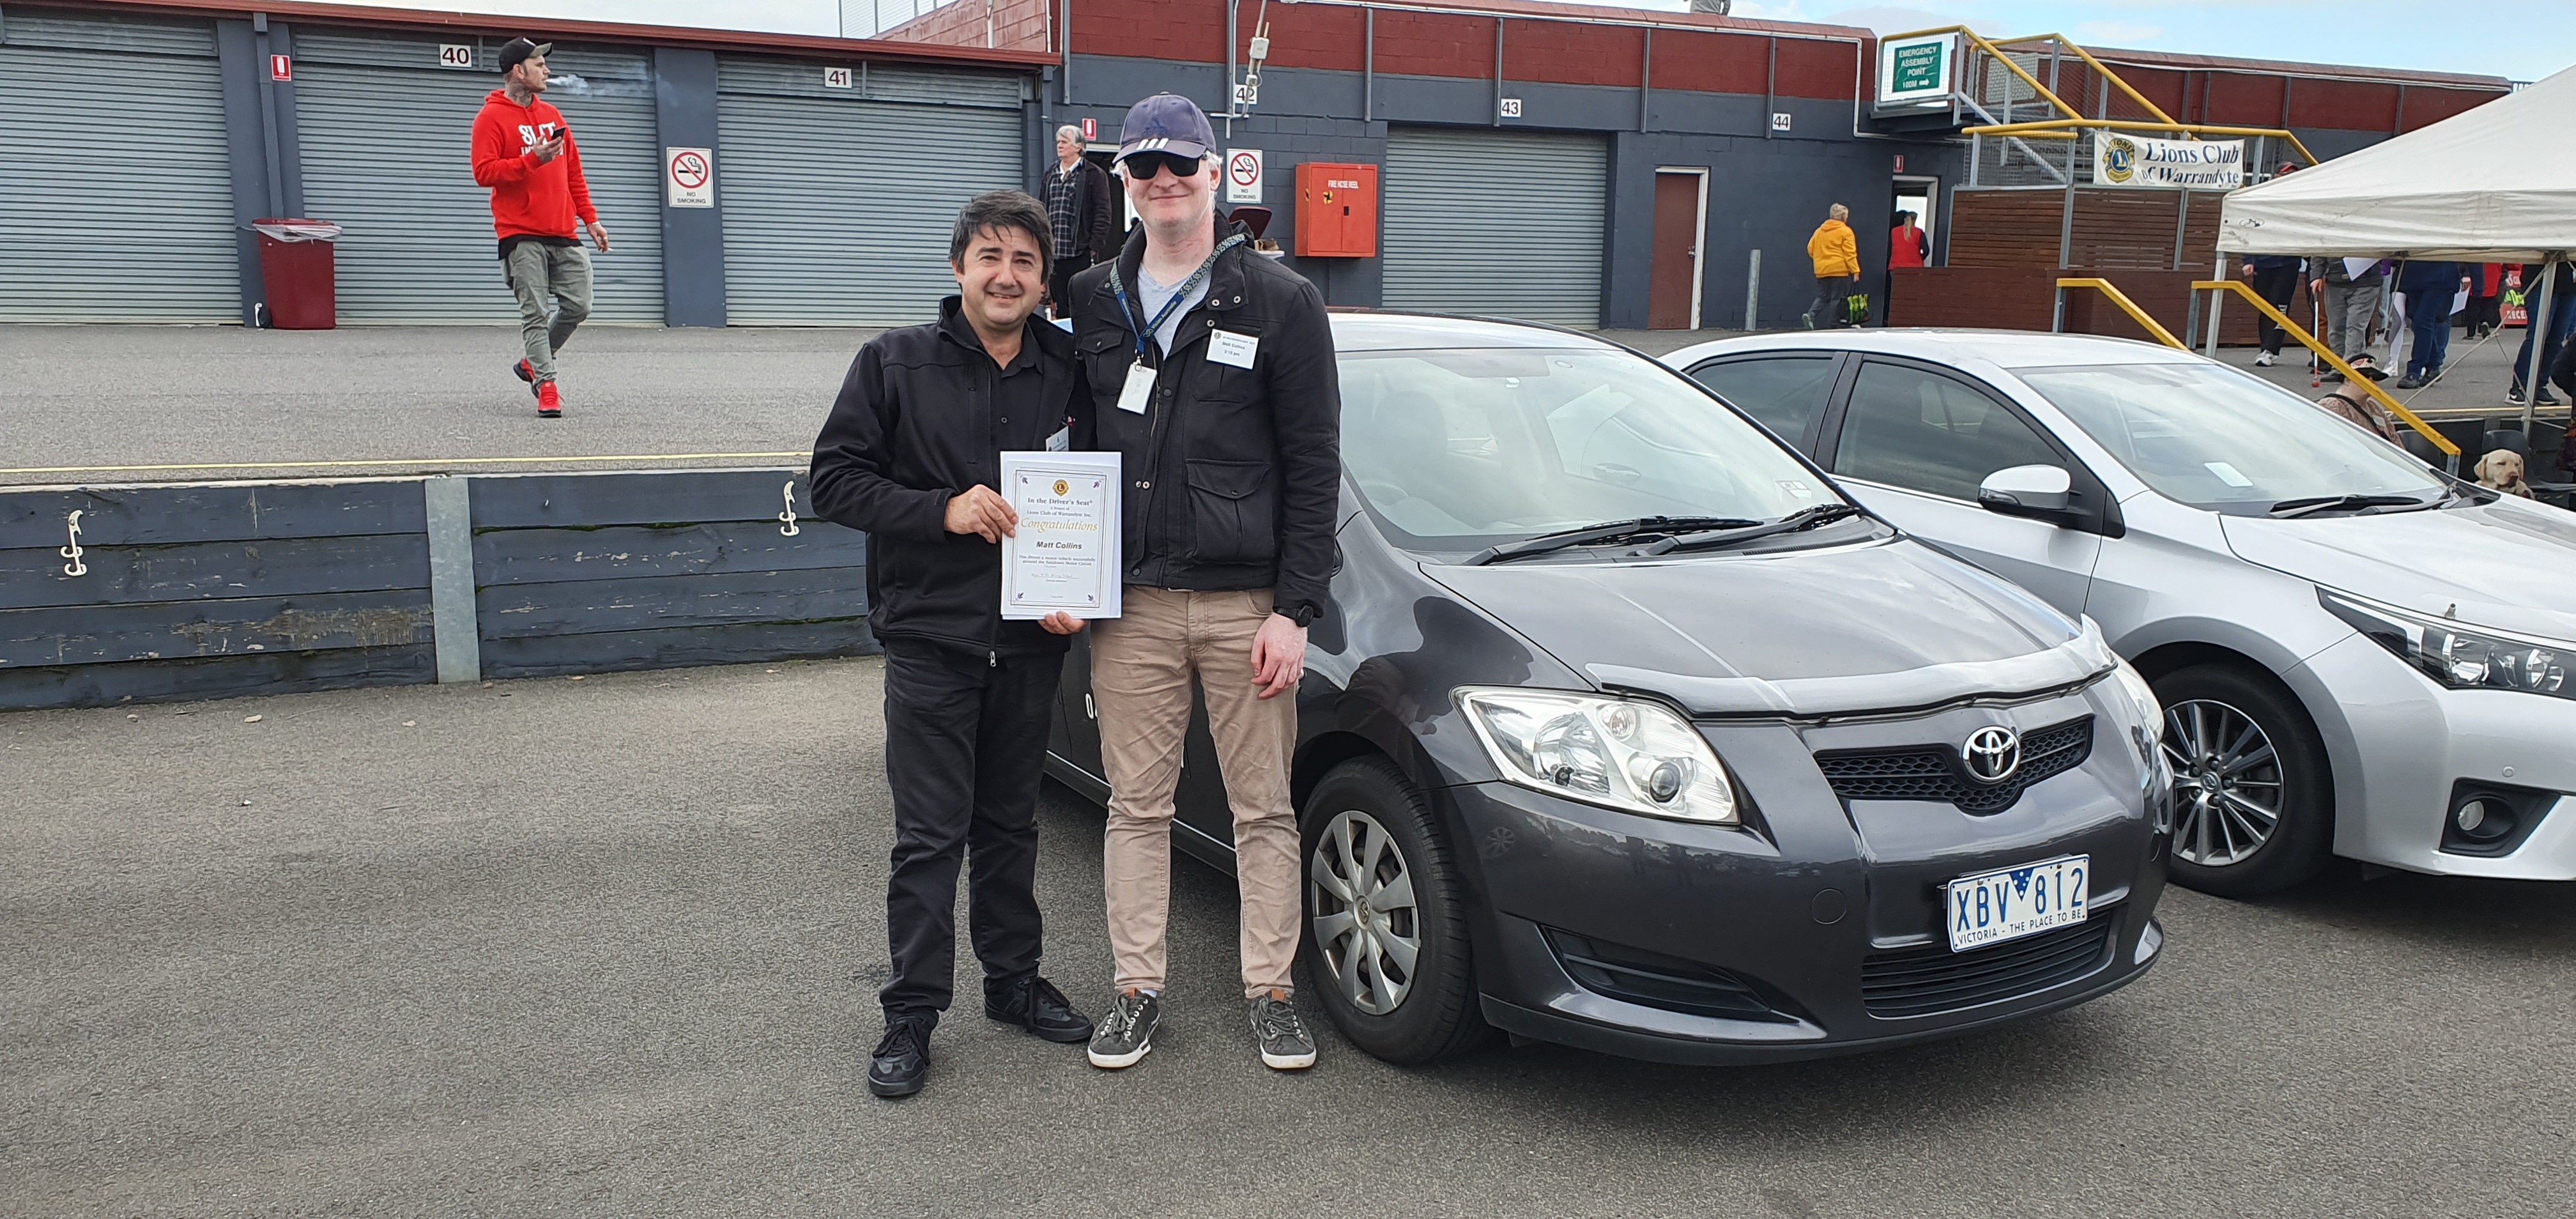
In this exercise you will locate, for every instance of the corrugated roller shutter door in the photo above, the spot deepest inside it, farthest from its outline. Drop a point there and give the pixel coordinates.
(834, 212)
(121, 203)
(1499, 223)
(386, 154)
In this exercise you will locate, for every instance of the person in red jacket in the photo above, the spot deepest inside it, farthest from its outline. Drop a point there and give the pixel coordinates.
(524, 151)
(1907, 245)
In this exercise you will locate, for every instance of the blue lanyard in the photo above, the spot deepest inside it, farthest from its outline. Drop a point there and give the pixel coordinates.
(1128, 312)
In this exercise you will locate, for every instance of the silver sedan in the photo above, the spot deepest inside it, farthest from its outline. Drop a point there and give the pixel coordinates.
(2356, 655)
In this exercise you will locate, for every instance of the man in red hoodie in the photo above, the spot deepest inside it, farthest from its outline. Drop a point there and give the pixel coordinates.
(524, 151)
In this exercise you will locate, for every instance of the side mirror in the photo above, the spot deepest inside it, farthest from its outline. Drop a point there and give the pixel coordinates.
(2026, 491)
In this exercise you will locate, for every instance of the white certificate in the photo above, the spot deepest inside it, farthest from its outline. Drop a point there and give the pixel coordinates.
(1065, 557)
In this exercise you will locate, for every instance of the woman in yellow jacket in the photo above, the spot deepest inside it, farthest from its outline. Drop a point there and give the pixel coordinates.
(1837, 257)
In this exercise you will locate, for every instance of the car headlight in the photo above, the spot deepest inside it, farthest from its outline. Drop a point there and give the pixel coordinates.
(2461, 657)
(1626, 754)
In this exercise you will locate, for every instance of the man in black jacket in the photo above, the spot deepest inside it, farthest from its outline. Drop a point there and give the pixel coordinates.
(912, 455)
(1212, 374)
(1080, 200)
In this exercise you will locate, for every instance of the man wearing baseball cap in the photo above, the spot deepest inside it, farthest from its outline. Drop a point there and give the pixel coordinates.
(1213, 375)
(524, 152)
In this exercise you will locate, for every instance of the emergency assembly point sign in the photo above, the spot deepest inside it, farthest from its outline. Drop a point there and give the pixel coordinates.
(690, 173)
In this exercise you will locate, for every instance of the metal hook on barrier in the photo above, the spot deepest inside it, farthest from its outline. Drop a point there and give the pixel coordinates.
(73, 551)
(787, 520)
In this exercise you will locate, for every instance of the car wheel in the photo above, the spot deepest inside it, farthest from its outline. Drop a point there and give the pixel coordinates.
(1386, 935)
(2253, 798)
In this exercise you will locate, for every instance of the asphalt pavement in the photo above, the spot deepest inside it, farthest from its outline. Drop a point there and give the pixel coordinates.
(609, 946)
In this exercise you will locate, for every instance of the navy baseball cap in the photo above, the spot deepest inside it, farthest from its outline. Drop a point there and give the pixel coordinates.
(1166, 122)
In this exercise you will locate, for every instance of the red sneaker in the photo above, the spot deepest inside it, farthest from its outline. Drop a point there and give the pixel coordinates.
(525, 373)
(549, 406)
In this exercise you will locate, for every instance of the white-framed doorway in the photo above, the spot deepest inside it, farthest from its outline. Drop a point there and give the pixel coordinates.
(1677, 186)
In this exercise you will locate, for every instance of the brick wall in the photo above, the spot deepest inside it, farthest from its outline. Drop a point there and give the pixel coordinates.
(1564, 54)
(1014, 25)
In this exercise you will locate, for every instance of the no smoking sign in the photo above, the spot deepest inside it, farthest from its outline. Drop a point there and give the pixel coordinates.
(690, 173)
(1243, 175)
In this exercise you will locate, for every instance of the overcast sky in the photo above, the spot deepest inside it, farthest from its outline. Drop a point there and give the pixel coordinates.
(2520, 39)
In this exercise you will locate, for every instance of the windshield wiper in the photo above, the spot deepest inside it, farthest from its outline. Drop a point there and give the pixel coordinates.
(2314, 504)
(1804, 518)
(1606, 531)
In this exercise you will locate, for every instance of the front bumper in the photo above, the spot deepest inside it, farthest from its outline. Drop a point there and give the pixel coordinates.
(1777, 941)
(2401, 745)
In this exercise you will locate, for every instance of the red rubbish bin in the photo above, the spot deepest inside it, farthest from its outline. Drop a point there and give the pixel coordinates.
(295, 266)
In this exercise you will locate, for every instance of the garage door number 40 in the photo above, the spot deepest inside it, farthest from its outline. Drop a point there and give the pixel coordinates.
(451, 55)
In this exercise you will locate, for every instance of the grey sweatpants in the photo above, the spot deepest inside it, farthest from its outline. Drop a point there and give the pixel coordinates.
(537, 271)
(2349, 309)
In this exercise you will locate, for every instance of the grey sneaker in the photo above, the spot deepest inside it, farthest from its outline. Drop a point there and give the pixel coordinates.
(1127, 1032)
(1284, 1043)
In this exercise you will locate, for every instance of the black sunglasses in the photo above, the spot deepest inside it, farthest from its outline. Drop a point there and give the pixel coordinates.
(1147, 166)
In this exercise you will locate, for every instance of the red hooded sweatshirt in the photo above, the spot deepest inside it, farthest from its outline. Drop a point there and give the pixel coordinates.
(528, 199)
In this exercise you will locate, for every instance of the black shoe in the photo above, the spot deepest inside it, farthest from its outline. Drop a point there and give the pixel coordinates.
(1127, 1032)
(2545, 399)
(902, 1059)
(1034, 1004)
(1285, 1044)
(2409, 382)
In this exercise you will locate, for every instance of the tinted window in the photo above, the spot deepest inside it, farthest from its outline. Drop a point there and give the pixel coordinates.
(1916, 429)
(1783, 392)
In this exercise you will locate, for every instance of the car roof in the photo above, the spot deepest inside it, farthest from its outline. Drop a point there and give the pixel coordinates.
(2003, 348)
(1375, 330)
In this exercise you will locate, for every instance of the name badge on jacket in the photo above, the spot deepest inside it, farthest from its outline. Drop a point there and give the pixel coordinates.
(1139, 388)
(1227, 347)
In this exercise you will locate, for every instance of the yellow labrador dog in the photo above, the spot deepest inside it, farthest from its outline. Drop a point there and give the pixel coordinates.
(2501, 470)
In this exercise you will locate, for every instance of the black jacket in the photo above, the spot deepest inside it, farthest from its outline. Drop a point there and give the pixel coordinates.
(1095, 213)
(915, 425)
(1232, 473)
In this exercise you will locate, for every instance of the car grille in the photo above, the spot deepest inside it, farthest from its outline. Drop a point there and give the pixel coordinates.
(1656, 980)
(1933, 772)
(1924, 982)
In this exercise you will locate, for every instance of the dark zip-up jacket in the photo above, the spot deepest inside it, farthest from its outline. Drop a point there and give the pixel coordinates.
(1232, 474)
(916, 424)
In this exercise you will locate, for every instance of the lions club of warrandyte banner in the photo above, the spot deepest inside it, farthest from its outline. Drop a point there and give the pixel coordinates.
(2136, 160)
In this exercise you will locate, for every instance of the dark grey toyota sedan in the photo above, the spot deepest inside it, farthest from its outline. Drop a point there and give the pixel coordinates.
(1627, 729)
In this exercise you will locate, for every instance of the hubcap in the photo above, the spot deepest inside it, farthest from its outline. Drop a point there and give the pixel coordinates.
(2227, 783)
(1366, 926)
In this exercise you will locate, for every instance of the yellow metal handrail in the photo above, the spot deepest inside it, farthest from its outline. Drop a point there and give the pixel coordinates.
(2333, 361)
(2044, 128)
(2099, 69)
(2129, 307)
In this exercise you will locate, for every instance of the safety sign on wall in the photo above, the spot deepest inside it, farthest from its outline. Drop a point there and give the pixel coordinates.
(1243, 175)
(690, 173)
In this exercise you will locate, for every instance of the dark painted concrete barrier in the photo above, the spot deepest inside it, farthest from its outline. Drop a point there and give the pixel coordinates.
(180, 592)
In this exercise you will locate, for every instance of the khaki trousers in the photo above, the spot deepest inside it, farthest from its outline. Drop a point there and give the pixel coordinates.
(1141, 666)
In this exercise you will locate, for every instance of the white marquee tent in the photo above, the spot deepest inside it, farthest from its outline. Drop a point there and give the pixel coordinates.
(2495, 184)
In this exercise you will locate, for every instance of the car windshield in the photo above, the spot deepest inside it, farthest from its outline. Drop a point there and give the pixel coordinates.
(2219, 439)
(1459, 449)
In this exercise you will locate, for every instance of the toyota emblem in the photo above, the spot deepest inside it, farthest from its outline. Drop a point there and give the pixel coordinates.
(1992, 754)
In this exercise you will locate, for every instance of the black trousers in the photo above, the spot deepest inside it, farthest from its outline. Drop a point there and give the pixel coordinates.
(1060, 284)
(965, 747)
(2280, 285)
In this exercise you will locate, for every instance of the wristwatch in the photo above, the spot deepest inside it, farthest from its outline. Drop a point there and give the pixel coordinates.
(1302, 615)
